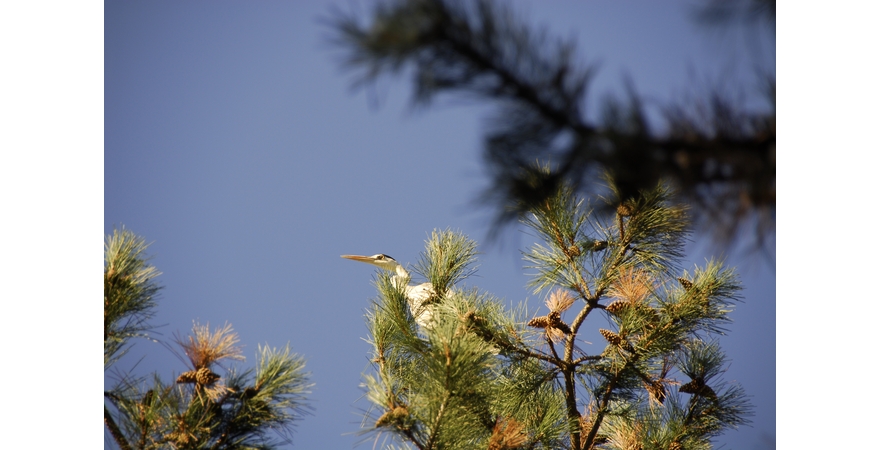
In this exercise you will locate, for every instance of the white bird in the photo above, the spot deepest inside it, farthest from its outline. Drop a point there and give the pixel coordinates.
(416, 295)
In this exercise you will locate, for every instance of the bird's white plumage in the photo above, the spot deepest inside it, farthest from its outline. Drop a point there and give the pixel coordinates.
(416, 295)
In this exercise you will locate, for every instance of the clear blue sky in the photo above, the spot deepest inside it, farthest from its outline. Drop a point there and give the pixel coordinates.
(234, 142)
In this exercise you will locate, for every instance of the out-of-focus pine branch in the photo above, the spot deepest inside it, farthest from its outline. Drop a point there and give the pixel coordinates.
(720, 157)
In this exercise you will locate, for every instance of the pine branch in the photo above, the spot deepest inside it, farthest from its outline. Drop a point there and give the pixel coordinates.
(575, 327)
(510, 84)
(556, 361)
(129, 291)
(455, 389)
(571, 405)
(603, 408)
(115, 431)
(435, 428)
(481, 49)
(194, 412)
(552, 348)
(584, 359)
(412, 438)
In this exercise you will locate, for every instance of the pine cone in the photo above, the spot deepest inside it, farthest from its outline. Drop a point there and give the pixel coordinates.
(148, 398)
(686, 283)
(610, 336)
(708, 392)
(394, 416)
(472, 318)
(507, 434)
(616, 339)
(187, 377)
(539, 322)
(250, 392)
(656, 390)
(698, 387)
(204, 376)
(690, 387)
(561, 326)
(555, 321)
(616, 306)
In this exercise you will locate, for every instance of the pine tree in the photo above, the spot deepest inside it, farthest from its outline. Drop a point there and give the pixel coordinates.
(200, 409)
(485, 376)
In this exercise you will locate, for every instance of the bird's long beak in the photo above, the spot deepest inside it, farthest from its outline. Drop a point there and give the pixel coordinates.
(366, 259)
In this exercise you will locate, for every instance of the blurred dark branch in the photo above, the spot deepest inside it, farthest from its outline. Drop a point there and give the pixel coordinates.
(720, 157)
(726, 12)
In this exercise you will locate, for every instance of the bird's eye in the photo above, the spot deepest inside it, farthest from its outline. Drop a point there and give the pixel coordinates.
(380, 257)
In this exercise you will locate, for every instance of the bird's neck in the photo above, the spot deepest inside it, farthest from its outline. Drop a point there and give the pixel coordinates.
(401, 272)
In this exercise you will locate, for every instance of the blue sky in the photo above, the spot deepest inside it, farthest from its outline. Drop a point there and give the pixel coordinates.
(233, 142)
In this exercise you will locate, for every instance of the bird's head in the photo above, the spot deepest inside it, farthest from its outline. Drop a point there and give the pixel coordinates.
(381, 260)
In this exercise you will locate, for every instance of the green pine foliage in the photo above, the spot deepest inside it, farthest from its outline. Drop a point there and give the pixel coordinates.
(482, 375)
(130, 292)
(253, 408)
